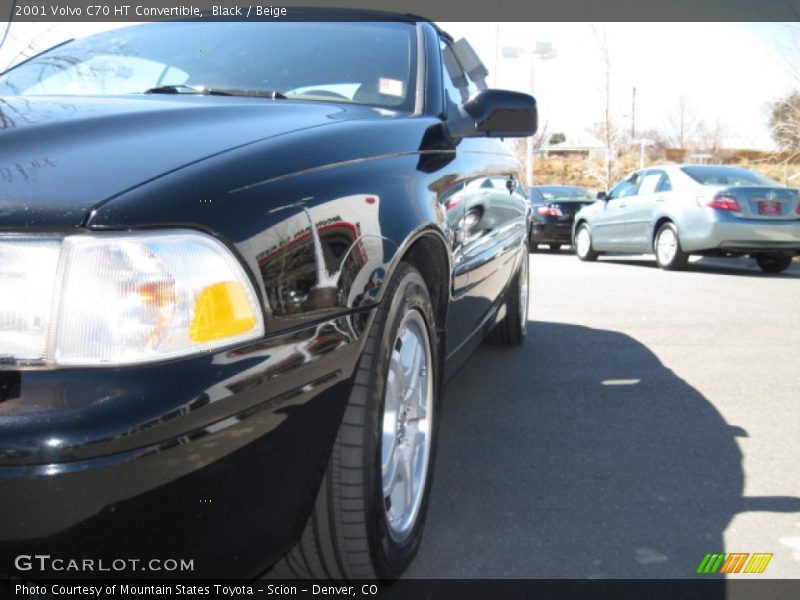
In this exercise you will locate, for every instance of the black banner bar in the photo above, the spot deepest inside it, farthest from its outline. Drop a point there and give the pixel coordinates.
(436, 10)
(468, 589)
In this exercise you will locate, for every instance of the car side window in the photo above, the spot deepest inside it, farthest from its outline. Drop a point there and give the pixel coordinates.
(665, 185)
(626, 187)
(650, 182)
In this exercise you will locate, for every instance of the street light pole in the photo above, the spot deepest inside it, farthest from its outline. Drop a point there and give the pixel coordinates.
(529, 157)
(544, 51)
(643, 143)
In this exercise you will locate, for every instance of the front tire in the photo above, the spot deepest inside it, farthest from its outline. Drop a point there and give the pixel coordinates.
(583, 244)
(773, 263)
(511, 331)
(368, 517)
(667, 248)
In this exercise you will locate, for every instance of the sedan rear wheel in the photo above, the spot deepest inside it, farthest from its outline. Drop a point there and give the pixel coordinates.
(532, 246)
(773, 263)
(369, 513)
(583, 244)
(667, 248)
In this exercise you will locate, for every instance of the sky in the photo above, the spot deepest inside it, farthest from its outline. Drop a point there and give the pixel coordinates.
(728, 73)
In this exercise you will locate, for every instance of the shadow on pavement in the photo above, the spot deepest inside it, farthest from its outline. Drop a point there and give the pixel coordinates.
(739, 267)
(580, 455)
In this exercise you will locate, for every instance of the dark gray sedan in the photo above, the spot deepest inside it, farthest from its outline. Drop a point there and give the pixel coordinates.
(677, 210)
(553, 211)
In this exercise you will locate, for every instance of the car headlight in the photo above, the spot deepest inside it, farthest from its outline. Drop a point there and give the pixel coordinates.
(114, 298)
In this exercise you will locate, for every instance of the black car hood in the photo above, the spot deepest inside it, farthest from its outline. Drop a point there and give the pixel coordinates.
(61, 156)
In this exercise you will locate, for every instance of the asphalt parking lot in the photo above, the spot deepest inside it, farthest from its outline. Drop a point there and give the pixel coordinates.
(652, 417)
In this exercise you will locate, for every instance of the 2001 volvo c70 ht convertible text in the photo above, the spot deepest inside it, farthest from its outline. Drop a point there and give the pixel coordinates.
(233, 285)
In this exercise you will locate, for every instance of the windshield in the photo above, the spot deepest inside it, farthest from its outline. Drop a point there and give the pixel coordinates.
(716, 175)
(370, 63)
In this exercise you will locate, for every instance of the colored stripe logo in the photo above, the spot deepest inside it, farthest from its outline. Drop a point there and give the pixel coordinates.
(734, 562)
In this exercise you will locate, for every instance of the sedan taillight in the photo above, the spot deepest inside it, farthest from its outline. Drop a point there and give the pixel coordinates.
(725, 202)
(452, 203)
(549, 211)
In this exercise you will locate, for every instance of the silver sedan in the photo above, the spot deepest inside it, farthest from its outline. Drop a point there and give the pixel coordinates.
(677, 210)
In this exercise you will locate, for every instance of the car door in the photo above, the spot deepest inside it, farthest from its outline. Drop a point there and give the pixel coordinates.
(489, 214)
(451, 198)
(640, 209)
(608, 223)
(494, 220)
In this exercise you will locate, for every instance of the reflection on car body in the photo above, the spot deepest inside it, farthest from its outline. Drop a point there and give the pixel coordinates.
(311, 258)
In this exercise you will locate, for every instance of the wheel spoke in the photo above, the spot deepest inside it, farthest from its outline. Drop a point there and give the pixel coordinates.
(408, 478)
(413, 376)
(388, 445)
(390, 470)
(396, 367)
(418, 440)
(416, 403)
(391, 405)
(392, 390)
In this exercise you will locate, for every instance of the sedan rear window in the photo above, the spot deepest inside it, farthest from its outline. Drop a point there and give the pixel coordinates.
(371, 63)
(717, 175)
(558, 193)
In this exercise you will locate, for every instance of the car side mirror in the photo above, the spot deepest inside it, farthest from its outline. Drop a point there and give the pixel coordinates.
(602, 195)
(500, 113)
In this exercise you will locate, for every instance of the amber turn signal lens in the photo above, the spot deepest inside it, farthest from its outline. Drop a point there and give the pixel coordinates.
(221, 310)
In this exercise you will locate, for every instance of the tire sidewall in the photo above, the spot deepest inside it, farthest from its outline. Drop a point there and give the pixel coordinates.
(391, 558)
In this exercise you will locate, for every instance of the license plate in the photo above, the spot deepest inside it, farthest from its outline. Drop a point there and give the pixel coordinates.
(769, 208)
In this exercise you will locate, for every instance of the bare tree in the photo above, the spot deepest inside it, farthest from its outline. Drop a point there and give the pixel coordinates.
(30, 45)
(785, 125)
(540, 139)
(606, 131)
(682, 123)
(521, 149)
(609, 169)
(711, 136)
(657, 143)
(784, 112)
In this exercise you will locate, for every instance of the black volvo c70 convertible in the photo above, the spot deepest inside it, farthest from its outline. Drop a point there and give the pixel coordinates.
(238, 260)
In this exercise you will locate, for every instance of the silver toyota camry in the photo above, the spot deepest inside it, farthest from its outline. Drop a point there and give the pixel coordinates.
(677, 210)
